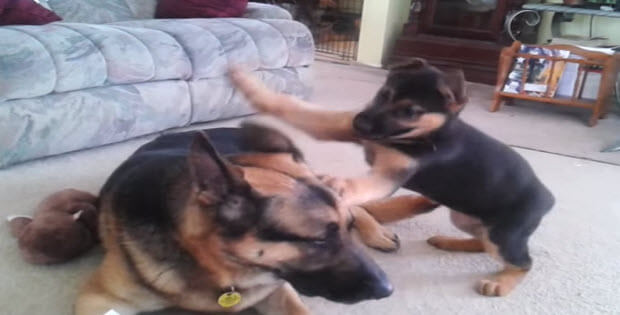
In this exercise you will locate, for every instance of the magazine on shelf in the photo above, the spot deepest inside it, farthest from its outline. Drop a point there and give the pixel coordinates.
(542, 79)
(566, 85)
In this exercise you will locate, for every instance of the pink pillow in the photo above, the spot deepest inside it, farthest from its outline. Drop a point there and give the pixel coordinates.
(25, 12)
(200, 8)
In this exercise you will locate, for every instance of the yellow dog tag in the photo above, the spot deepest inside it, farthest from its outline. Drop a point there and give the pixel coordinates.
(229, 299)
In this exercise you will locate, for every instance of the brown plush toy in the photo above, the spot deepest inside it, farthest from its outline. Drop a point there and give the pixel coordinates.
(63, 227)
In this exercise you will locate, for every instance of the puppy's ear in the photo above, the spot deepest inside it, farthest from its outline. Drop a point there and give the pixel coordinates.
(453, 89)
(411, 64)
(264, 139)
(213, 175)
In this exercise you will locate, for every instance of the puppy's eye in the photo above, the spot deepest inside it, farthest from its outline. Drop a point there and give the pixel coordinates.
(384, 95)
(408, 112)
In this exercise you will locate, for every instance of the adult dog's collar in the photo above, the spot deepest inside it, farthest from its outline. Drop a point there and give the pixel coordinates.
(229, 298)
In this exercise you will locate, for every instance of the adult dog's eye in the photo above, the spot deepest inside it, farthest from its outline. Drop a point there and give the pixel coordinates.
(319, 243)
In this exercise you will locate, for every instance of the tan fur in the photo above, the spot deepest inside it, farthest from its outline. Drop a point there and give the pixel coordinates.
(196, 237)
(426, 124)
(115, 285)
(283, 301)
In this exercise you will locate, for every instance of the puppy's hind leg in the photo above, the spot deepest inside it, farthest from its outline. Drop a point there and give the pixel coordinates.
(509, 245)
(466, 224)
(456, 244)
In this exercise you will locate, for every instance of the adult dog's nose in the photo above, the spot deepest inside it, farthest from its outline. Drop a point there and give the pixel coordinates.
(362, 123)
(382, 289)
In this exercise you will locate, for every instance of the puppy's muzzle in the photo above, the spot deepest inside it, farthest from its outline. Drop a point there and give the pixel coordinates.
(363, 124)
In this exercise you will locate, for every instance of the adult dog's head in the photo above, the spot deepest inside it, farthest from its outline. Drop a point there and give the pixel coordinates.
(416, 100)
(250, 219)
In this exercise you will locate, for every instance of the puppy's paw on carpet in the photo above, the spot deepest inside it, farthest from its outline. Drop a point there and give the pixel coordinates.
(493, 287)
(503, 282)
(383, 240)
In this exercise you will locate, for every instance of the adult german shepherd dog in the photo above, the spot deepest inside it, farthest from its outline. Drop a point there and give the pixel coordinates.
(414, 139)
(222, 220)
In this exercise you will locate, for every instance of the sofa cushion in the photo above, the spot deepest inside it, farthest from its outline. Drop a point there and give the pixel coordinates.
(257, 10)
(61, 57)
(200, 8)
(25, 12)
(142, 9)
(92, 11)
(63, 122)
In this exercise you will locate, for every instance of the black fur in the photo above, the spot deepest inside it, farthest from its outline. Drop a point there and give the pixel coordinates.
(475, 174)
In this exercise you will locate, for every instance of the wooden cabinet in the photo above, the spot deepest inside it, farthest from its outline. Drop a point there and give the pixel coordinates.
(467, 34)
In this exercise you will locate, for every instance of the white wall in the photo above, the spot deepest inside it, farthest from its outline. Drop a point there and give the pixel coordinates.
(382, 23)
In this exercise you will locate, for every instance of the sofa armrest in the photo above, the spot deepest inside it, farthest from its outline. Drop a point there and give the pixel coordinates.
(266, 11)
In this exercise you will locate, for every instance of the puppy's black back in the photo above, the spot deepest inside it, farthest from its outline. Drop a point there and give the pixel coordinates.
(473, 173)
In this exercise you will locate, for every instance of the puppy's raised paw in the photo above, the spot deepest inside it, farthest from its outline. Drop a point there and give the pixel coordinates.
(261, 97)
(341, 186)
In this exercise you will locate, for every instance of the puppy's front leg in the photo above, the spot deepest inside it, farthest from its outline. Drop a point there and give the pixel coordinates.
(283, 301)
(320, 124)
(372, 233)
(390, 170)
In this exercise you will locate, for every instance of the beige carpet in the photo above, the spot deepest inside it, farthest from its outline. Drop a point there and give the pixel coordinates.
(576, 249)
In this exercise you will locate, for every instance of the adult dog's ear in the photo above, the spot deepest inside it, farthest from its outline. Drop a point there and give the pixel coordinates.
(410, 64)
(268, 140)
(453, 89)
(221, 183)
(212, 175)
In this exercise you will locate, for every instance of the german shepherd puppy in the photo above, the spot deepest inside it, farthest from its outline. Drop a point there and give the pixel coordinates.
(192, 217)
(492, 191)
